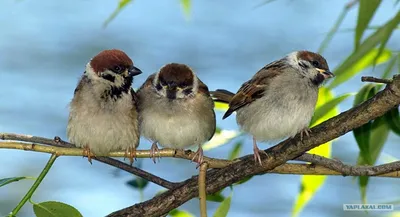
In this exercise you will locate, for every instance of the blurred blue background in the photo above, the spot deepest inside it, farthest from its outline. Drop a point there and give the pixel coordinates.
(45, 44)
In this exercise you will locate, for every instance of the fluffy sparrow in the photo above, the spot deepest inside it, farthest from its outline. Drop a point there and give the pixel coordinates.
(103, 113)
(176, 110)
(279, 100)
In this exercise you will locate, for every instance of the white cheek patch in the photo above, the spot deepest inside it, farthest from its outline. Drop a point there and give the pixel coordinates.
(155, 80)
(195, 83)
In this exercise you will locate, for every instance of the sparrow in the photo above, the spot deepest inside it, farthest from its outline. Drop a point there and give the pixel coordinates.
(176, 110)
(279, 100)
(103, 112)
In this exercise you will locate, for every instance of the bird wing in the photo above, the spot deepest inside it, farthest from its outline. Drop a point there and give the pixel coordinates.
(254, 88)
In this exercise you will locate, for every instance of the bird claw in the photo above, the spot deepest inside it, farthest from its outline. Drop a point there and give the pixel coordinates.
(257, 151)
(130, 153)
(257, 157)
(198, 157)
(86, 152)
(305, 131)
(154, 149)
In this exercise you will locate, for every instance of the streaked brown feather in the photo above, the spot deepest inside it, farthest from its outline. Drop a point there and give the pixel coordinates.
(254, 88)
(221, 95)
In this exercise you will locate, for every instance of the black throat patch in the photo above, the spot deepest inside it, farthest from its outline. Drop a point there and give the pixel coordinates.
(115, 92)
(317, 80)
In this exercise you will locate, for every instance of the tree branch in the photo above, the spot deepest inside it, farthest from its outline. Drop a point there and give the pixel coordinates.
(376, 80)
(348, 170)
(57, 142)
(218, 179)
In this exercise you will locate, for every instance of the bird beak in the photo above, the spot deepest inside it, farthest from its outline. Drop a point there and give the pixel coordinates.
(326, 73)
(134, 71)
(171, 91)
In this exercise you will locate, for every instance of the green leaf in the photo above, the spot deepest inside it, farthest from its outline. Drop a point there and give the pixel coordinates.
(138, 183)
(55, 209)
(235, 151)
(393, 120)
(355, 64)
(362, 134)
(389, 68)
(121, 5)
(328, 106)
(224, 207)
(7, 181)
(216, 197)
(186, 6)
(365, 48)
(386, 33)
(221, 106)
(378, 136)
(220, 138)
(180, 213)
(366, 11)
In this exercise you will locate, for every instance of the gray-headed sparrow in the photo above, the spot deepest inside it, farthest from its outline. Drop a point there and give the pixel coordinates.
(279, 100)
(176, 109)
(103, 113)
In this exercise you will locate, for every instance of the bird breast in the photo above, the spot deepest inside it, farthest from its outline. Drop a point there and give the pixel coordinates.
(286, 108)
(102, 124)
(177, 123)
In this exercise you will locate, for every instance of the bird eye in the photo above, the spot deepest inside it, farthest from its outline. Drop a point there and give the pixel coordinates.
(118, 69)
(158, 86)
(187, 91)
(315, 63)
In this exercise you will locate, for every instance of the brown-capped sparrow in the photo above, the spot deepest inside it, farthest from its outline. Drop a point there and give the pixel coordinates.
(103, 113)
(279, 100)
(176, 110)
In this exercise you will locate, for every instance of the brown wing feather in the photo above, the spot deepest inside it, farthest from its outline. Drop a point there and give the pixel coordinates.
(148, 82)
(221, 95)
(249, 91)
(255, 88)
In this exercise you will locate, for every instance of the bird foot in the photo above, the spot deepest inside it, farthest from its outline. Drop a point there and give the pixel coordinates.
(306, 131)
(130, 153)
(257, 157)
(154, 149)
(86, 152)
(198, 157)
(257, 151)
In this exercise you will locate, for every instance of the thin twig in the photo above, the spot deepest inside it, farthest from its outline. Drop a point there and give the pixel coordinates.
(60, 150)
(376, 80)
(332, 167)
(347, 170)
(202, 189)
(58, 142)
(36, 184)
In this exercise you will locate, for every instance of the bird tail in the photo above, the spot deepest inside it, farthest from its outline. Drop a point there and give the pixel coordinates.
(221, 95)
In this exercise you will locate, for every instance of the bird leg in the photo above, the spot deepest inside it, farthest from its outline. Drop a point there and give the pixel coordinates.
(198, 156)
(86, 152)
(306, 131)
(130, 153)
(257, 152)
(154, 149)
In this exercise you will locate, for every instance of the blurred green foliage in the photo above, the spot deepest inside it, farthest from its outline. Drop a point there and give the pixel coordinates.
(370, 138)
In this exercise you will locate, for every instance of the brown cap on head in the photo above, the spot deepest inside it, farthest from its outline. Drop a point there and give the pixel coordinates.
(313, 57)
(176, 74)
(108, 59)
